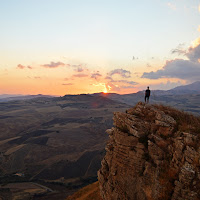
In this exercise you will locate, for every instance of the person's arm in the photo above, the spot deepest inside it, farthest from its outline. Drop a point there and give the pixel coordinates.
(149, 92)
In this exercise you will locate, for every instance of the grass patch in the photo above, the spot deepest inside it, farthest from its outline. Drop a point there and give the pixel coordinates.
(185, 121)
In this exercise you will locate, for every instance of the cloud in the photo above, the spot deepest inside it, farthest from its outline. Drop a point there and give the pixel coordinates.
(199, 7)
(29, 67)
(179, 50)
(148, 65)
(67, 84)
(196, 42)
(96, 75)
(117, 85)
(37, 77)
(124, 81)
(180, 68)
(53, 65)
(20, 66)
(135, 58)
(194, 53)
(171, 6)
(80, 75)
(110, 80)
(79, 68)
(123, 73)
(127, 87)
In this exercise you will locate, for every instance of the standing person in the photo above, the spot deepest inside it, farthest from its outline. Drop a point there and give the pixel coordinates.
(147, 95)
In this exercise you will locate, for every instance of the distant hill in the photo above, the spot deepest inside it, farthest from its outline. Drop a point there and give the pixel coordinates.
(191, 88)
(185, 97)
(7, 97)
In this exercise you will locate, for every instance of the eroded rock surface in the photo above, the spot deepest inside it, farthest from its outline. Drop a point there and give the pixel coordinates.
(152, 154)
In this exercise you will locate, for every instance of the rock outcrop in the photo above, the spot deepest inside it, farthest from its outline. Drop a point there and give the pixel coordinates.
(153, 153)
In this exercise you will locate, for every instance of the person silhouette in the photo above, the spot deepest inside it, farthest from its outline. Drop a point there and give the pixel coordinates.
(147, 95)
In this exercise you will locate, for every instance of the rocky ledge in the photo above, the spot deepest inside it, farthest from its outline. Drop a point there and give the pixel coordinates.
(153, 153)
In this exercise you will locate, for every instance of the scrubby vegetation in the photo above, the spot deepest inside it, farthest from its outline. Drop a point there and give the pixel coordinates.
(185, 121)
(90, 192)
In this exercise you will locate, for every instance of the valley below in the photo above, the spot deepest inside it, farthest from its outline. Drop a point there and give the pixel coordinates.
(57, 141)
(52, 146)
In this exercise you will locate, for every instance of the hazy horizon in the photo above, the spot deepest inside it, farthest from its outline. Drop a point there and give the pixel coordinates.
(73, 47)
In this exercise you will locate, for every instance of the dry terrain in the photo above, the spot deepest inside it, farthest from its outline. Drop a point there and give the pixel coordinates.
(59, 140)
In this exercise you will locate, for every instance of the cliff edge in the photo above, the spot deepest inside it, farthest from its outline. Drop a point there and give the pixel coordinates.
(153, 153)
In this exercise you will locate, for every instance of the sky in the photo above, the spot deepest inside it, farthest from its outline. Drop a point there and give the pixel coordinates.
(60, 47)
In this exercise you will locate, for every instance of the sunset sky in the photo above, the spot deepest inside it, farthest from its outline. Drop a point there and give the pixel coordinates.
(63, 47)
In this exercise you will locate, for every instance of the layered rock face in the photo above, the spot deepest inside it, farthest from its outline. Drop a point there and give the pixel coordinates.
(153, 153)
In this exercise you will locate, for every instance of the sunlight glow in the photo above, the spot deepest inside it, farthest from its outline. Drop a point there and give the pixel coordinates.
(196, 42)
(105, 91)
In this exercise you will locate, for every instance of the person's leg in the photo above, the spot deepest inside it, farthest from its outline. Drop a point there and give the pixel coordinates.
(147, 99)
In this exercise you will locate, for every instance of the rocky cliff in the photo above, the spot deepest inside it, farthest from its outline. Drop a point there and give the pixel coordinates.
(153, 153)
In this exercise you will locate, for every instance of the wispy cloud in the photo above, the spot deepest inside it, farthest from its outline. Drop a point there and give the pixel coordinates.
(119, 84)
(148, 65)
(80, 75)
(123, 81)
(123, 73)
(37, 77)
(79, 67)
(20, 66)
(29, 67)
(53, 65)
(179, 50)
(67, 84)
(96, 75)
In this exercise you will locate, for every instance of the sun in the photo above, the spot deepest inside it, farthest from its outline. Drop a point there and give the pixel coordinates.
(105, 91)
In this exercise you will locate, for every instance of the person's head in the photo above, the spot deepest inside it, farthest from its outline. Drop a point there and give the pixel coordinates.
(148, 87)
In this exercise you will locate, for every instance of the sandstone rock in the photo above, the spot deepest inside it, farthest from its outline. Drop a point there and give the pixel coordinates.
(148, 158)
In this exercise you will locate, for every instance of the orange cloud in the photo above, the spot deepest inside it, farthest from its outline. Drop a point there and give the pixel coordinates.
(29, 67)
(80, 75)
(23, 67)
(20, 66)
(53, 65)
(196, 42)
